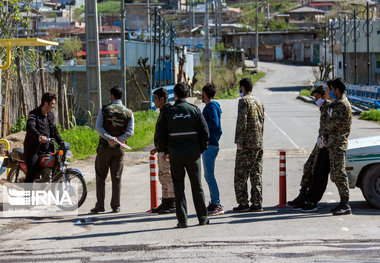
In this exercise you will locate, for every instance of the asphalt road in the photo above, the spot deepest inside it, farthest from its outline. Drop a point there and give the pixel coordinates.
(280, 235)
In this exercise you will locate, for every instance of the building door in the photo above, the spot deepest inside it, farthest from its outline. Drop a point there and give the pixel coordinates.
(316, 53)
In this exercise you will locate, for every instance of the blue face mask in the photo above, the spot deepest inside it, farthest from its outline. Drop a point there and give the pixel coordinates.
(332, 95)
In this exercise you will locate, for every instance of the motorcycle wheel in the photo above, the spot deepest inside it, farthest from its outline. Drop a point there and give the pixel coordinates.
(73, 177)
(16, 175)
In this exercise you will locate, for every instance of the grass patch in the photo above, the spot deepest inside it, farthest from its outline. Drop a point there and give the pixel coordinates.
(305, 92)
(234, 93)
(84, 140)
(371, 115)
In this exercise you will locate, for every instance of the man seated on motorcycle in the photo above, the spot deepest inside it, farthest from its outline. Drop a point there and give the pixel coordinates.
(39, 127)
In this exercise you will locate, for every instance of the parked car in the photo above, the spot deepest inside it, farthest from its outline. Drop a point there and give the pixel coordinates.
(363, 167)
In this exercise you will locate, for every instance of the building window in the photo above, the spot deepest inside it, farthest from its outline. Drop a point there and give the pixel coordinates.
(340, 64)
(378, 32)
(377, 61)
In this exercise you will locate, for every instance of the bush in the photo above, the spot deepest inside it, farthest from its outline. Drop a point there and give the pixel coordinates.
(305, 92)
(84, 140)
(19, 126)
(371, 115)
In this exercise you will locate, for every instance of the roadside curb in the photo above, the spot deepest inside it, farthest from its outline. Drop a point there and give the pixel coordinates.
(307, 99)
(355, 109)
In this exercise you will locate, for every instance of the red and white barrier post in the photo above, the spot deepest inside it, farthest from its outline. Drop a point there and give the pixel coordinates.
(282, 189)
(153, 181)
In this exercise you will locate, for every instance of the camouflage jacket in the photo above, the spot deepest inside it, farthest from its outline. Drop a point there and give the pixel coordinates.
(339, 125)
(250, 123)
(324, 117)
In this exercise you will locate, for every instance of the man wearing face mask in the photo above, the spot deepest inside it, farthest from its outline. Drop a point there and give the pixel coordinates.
(338, 129)
(249, 155)
(309, 168)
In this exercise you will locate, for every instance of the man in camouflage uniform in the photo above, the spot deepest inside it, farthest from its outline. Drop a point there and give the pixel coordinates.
(310, 165)
(115, 123)
(338, 129)
(249, 154)
(164, 176)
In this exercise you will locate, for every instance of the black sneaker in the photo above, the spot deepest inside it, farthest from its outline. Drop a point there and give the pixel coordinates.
(300, 199)
(218, 210)
(203, 223)
(241, 208)
(97, 210)
(341, 209)
(211, 207)
(256, 208)
(309, 207)
(163, 205)
(298, 206)
(181, 225)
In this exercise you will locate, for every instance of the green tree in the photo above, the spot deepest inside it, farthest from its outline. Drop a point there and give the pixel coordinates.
(70, 46)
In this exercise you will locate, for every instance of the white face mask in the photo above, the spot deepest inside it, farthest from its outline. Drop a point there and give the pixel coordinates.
(241, 94)
(319, 102)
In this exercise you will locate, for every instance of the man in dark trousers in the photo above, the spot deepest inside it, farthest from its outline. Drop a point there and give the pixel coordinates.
(168, 200)
(115, 123)
(39, 128)
(183, 133)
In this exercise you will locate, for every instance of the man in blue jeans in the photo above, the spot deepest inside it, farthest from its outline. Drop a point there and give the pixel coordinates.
(212, 114)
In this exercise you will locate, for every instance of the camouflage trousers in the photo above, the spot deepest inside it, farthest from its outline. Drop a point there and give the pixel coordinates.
(309, 167)
(338, 171)
(249, 164)
(165, 177)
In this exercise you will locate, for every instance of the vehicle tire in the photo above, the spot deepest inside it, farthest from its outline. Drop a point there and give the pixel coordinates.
(73, 176)
(16, 175)
(371, 186)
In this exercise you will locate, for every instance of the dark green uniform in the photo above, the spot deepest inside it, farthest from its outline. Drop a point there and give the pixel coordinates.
(182, 132)
(309, 166)
(116, 118)
(249, 161)
(338, 129)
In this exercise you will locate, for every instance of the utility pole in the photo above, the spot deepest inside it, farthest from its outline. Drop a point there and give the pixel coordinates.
(123, 84)
(94, 91)
(257, 35)
(207, 49)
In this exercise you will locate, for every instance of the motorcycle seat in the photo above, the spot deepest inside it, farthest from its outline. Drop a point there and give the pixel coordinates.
(17, 154)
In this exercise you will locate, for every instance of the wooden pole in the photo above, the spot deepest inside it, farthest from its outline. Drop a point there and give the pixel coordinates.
(1, 100)
(22, 97)
(61, 118)
(7, 99)
(42, 70)
(66, 108)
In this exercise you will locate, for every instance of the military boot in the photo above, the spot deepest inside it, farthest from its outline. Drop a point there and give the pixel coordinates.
(343, 208)
(163, 205)
(300, 199)
(169, 208)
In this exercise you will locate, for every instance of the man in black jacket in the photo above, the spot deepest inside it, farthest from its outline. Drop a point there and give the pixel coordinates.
(39, 128)
(182, 132)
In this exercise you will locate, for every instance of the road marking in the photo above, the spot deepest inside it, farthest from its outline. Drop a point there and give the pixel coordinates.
(331, 201)
(345, 229)
(329, 193)
(286, 135)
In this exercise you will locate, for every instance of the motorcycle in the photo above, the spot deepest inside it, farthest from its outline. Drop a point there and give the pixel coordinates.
(52, 168)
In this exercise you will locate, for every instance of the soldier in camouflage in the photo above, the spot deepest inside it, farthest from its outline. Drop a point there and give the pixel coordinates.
(338, 129)
(310, 165)
(115, 123)
(249, 154)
